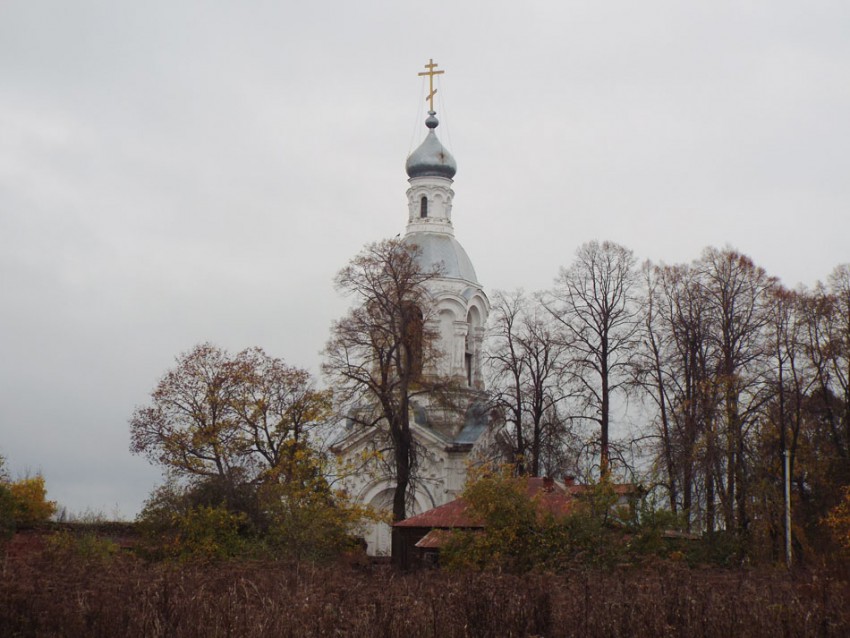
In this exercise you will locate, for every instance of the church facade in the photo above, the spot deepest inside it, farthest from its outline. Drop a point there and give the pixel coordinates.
(447, 439)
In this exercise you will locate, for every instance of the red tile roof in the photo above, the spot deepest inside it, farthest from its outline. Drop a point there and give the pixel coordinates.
(452, 514)
(434, 539)
(551, 497)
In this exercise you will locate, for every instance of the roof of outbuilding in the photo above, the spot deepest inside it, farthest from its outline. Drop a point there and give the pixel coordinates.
(434, 539)
(551, 497)
(453, 514)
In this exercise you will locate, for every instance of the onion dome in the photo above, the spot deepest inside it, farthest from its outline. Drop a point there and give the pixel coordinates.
(431, 158)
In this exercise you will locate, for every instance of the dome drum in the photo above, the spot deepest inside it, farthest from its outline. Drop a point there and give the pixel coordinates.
(437, 197)
(440, 251)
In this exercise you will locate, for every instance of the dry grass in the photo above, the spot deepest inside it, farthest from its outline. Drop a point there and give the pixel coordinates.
(43, 595)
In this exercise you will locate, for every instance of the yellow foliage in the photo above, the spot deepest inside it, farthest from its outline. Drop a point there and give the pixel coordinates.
(308, 519)
(838, 520)
(206, 533)
(29, 502)
(499, 499)
(87, 545)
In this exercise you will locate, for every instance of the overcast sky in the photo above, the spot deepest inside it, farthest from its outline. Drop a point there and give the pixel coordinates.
(176, 172)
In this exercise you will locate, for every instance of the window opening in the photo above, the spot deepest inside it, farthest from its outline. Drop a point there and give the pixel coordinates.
(423, 207)
(468, 357)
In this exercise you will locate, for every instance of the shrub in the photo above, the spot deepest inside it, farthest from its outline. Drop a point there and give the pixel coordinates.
(838, 520)
(518, 536)
(305, 519)
(87, 545)
(291, 512)
(513, 534)
(30, 506)
(7, 513)
(204, 533)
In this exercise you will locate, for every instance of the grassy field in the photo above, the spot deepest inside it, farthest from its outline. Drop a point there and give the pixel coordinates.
(54, 594)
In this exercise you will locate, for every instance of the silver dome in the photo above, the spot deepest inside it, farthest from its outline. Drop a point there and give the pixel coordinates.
(431, 158)
(442, 251)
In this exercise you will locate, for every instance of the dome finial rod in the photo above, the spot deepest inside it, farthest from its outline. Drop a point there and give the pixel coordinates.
(431, 73)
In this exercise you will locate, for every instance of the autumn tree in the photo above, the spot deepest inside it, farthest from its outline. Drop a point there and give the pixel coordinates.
(382, 353)
(228, 420)
(527, 359)
(521, 527)
(594, 303)
(29, 501)
(237, 436)
(23, 502)
(512, 534)
(277, 409)
(306, 518)
(838, 520)
(295, 515)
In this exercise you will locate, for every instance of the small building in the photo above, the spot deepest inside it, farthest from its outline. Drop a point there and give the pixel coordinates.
(422, 536)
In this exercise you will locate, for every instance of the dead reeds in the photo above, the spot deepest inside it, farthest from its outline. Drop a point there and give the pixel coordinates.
(47, 595)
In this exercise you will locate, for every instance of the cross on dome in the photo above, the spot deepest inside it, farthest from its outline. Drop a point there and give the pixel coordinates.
(431, 73)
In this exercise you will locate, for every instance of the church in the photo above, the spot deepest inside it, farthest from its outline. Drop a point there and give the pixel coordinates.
(447, 440)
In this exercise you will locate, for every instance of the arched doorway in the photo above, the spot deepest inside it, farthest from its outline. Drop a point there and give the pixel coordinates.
(379, 535)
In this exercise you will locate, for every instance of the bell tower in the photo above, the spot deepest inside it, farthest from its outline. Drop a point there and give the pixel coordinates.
(461, 304)
(449, 434)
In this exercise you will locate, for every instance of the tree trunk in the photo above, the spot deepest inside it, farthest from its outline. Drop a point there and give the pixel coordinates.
(605, 408)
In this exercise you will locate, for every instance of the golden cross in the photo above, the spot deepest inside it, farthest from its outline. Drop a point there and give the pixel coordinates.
(431, 73)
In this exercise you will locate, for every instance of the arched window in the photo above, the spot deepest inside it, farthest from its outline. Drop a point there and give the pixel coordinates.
(473, 321)
(468, 360)
(423, 207)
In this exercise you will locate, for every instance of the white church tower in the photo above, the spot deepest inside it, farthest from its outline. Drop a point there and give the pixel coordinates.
(461, 304)
(447, 438)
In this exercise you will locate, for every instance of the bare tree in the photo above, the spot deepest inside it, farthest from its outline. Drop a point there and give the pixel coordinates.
(791, 377)
(651, 369)
(383, 352)
(651, 375)
(593, 302)
(839, 350)
(673, 368)
(827, 349)
(736, 291)
(739, 370)
(527, 361)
